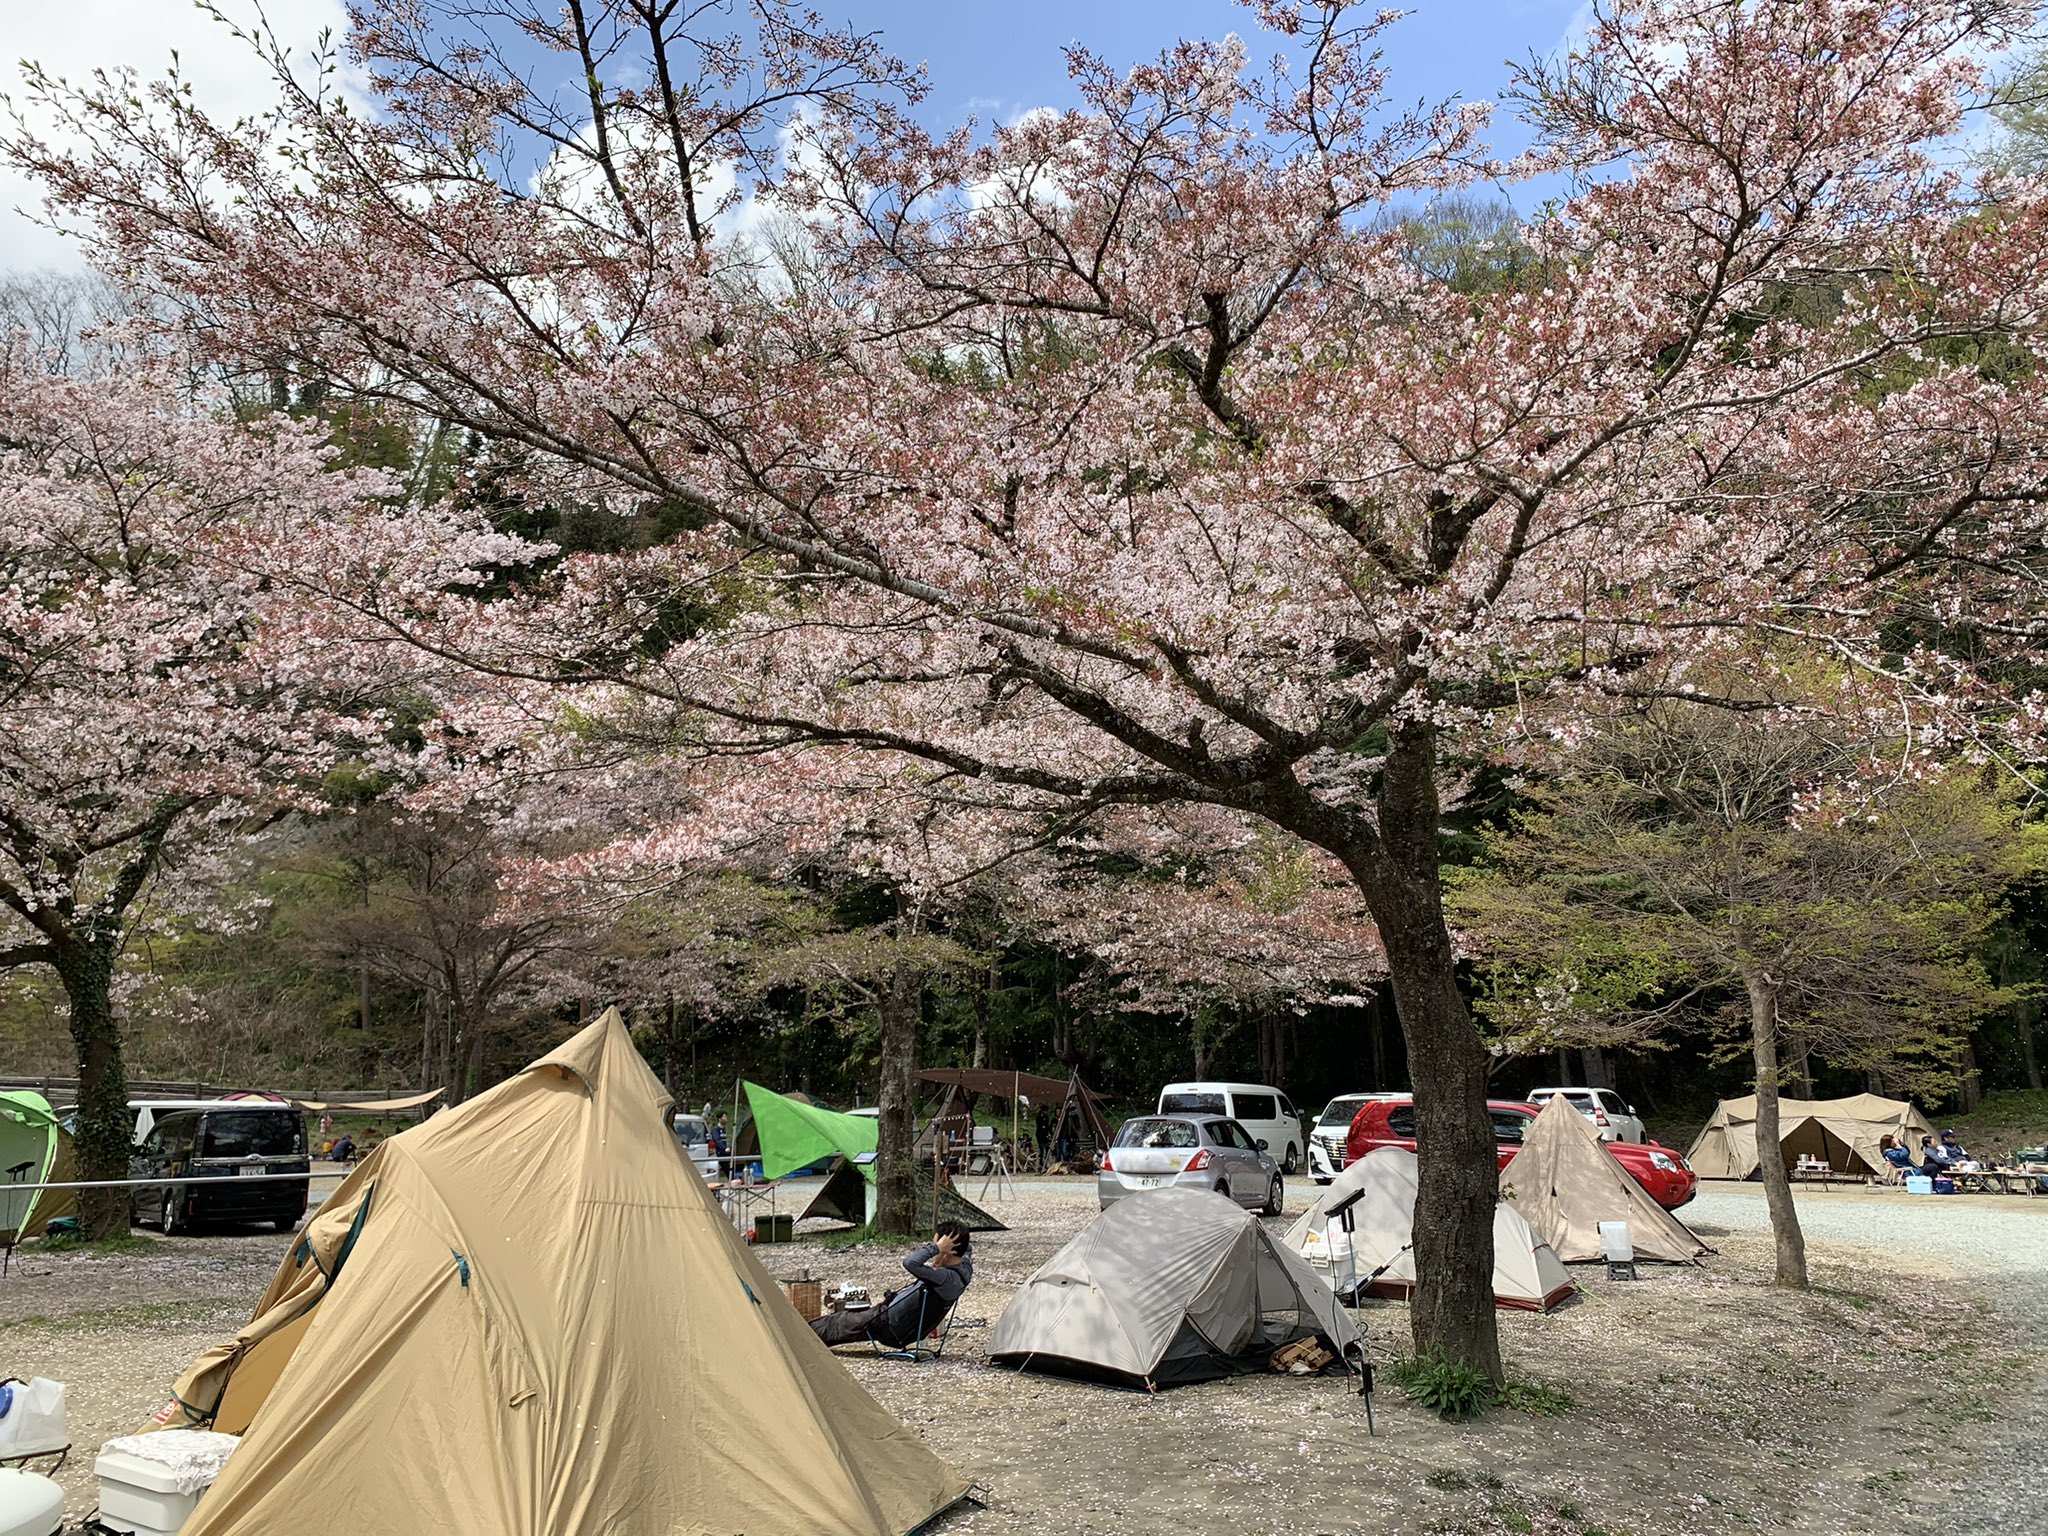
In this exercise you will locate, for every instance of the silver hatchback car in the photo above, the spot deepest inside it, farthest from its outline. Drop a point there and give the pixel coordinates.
(1190, 1151)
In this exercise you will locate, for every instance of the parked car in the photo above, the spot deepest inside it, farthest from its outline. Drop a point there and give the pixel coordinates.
(198, 1159)
(1326, 1140)
(1196, 1151)
(1391, 1123)
(694, 1132)
(1612, 1118)
(1262, 1111)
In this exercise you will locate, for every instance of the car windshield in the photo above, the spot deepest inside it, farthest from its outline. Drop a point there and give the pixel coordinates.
(1191, 1104)
(250, 1134)
(1340, 1112)
(692, 1128)
(1157, 1133)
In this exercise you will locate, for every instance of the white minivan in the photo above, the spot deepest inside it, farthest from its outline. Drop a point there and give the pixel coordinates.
(1264, 1113)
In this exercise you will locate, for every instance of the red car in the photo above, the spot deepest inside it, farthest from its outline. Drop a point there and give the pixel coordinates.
(1391, 1123)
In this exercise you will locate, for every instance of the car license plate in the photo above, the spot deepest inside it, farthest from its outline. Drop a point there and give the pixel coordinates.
(252, 1168)
(1147, 1181)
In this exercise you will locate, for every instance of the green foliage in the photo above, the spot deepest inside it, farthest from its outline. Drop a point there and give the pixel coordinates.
(1452, 1390)
(1689, 856)
(1541, 1398)
(1457, 1393)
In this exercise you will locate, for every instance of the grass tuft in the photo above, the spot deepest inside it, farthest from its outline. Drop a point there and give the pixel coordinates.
(1457, 1393)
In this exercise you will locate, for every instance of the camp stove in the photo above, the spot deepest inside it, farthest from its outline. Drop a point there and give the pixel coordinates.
(849, 1297)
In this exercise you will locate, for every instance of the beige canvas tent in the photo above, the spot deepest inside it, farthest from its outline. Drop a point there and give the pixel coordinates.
(1565, 1183)
(1526, 1274)
(1843, 1133)
(527, 1317)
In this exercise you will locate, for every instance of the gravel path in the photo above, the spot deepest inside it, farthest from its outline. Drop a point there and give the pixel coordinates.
(2003, 1240)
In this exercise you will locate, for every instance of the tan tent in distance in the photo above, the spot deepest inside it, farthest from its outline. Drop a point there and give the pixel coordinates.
(1843, 1133)
(528, 1317)
(1565, 1183)
(1526, 1274)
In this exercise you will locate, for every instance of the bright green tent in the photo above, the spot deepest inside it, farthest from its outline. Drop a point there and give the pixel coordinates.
(795, 1135)
(28, 1145)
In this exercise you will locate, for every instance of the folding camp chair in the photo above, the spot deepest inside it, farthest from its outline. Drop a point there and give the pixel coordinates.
(929, 1342)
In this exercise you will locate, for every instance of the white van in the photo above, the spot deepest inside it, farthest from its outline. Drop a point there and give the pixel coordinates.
(1264, 1113)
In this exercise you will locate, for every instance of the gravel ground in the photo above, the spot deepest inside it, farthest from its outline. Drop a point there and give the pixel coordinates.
(2000, 1244)
(1706, 1401)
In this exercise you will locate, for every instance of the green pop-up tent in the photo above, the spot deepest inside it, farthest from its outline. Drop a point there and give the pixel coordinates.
(794, 1135)
(28, 1145)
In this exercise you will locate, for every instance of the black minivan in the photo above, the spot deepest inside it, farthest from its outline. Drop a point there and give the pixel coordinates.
(203, 1157)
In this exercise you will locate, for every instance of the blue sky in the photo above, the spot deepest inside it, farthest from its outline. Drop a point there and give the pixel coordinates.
(991, 60)
(1000, 59)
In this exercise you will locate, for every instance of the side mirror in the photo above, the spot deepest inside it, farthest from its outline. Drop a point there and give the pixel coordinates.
(1262, 1143)
(1629, 1109)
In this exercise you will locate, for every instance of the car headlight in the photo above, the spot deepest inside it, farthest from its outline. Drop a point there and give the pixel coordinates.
(1659, 1160)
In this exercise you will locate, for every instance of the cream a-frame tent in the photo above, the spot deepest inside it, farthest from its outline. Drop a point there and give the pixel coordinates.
(1843, 1133)
(1166, 1287)
(527, 1317)
(1565, 1182)
(1526, 1274)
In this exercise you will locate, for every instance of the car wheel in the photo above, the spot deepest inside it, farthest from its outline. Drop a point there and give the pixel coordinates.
(1276, 1196)
(172, 1223)
(1223, 1190)
(1291, 1164)
(284, 1223)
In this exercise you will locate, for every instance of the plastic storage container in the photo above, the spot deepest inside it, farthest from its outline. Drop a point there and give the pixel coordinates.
(30, 1504)
(140, 1496)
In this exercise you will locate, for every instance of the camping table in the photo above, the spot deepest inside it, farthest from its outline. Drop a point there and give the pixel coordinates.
(1982, 1180)
(1808, 1172)
(741, 1201)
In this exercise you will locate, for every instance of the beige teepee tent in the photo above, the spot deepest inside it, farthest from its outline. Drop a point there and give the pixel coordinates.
(1526, 1274)
(1843, 1133)
(1565, 1183)
(527, 1317)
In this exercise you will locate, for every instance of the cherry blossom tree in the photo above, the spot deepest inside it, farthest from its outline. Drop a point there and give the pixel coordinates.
(1134, 454)
(143, 721)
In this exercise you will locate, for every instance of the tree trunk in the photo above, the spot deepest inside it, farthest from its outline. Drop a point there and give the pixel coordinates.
(983, 993)
(1593, 1063)
(1458, 1178)
(895, 1174)
(1802, 1065)
(2023, 1025)
(1763, 1031)
(104, 1138)
(1971, 1090)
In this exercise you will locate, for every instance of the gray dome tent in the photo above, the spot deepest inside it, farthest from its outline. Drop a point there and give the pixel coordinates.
(1171, 1286)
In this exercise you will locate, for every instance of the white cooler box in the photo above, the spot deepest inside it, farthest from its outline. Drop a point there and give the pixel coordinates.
(30, 1504)
(150, 1484)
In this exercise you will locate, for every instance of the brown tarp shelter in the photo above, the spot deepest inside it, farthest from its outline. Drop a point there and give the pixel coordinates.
(1843, 1133)
(1069, 1094)
(528, 1317)
(1565, 1182)
(371, 1106)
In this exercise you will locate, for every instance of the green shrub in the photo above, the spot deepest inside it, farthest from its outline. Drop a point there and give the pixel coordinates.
(1452, 1390)
(1461, 1392)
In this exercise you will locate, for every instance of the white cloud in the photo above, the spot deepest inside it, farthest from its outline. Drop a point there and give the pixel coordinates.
(75, 38)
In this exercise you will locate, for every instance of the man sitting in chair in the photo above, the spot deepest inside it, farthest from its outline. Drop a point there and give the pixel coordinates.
(942, 1268)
